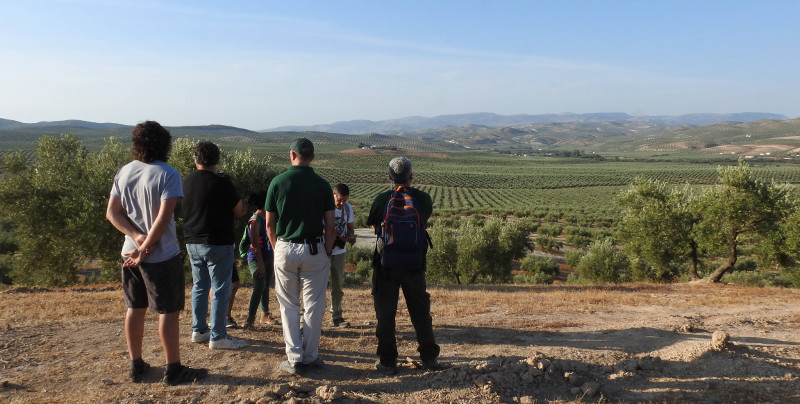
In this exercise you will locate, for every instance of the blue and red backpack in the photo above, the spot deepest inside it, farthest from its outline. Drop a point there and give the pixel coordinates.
(403, 232)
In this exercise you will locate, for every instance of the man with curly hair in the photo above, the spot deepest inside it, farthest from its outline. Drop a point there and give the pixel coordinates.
(141, 205)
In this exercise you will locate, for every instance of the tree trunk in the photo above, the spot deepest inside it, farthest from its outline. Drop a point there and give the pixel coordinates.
(732, 256)
(693, 261)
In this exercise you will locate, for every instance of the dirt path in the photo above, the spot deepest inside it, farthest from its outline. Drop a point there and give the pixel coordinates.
(637, 343)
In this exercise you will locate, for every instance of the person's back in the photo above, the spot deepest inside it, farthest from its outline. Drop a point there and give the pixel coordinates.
(208, 200)
(141, 205)
(388, 280)
(210, 204)
(298, 203)
(141, 187)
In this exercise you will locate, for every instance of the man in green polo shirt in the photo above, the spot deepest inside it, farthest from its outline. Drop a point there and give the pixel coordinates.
(300, 227)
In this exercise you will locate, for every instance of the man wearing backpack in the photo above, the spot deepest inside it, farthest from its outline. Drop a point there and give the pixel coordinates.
(399, 217)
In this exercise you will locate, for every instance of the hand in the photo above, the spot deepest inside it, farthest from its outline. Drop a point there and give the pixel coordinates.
(260, 272)
(135, 258)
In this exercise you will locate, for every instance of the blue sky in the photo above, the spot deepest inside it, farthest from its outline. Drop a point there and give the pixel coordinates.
(262, 64)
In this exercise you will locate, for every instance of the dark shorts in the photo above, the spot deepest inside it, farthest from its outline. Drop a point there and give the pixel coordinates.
(159, 285)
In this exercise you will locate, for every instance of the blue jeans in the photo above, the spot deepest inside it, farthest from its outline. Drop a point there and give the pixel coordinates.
(211, 270)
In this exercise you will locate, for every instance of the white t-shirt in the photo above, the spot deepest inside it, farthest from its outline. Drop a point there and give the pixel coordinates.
(141, 187)
(341, 219)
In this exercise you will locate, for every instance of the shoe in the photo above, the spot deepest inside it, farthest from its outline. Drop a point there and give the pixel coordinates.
(250, 322)
(387, 370)
(316, 364)
(433, 365)
(269, 320)
(201, 336)
(289, 367)
(184, 375)
(138, 372)
(227, 343)
(340, 323)
(231, 323)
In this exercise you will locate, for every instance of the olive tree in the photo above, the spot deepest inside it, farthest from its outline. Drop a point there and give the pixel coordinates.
(58, 203)
(741, 205)
(657, 229)
(477, 253)
(661, 227)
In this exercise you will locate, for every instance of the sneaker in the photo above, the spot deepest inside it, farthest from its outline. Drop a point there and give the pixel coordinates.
(227, 343)
(433, 365)
(316, 364)
(289, 367)
(250, 322)
(340, 323)
(184, 375)
(269, 320)
(137, 372)
(387, 370)
(231, 323)
(201, 336)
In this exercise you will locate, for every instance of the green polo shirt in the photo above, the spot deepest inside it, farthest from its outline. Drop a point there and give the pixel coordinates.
(300, 199)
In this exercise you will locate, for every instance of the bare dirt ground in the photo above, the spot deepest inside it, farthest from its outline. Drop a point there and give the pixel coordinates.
(514, 344)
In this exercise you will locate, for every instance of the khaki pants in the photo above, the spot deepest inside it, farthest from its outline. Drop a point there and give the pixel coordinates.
(300, 274)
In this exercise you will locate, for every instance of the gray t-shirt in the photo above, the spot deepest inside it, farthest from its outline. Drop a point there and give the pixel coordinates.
(141, 187)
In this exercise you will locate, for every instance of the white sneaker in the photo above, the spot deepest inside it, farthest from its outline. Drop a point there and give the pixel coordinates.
(227, 343)
(201, 336)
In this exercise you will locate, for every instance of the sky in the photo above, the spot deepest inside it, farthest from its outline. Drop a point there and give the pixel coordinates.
(260, 64)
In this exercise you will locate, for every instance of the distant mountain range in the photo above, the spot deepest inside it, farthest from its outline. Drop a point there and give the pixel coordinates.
(418, 123)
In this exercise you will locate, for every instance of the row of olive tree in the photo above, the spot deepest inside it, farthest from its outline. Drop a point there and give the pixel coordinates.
(699, 233)
(57, 203)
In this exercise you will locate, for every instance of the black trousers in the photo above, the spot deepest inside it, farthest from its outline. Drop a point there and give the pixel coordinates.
(386, 286)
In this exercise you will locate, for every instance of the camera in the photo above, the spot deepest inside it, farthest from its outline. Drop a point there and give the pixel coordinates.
(338, 243)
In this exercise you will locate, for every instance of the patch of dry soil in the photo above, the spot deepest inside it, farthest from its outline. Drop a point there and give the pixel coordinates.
(506, 344)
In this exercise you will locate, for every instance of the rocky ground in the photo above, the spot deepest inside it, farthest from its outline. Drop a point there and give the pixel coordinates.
(506, 344)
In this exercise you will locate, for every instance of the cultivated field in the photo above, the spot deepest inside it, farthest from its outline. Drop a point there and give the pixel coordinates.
(558, 343)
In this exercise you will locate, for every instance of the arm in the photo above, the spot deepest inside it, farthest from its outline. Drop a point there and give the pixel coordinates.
(272, 221)
(239, 209)
(115, 214)
(330, 231)
(160, 225)
(255, 244)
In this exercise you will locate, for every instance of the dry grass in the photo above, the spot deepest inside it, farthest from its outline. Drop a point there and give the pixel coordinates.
(66, 345)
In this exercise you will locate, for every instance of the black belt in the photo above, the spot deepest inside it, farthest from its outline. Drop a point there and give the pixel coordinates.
(310, 240)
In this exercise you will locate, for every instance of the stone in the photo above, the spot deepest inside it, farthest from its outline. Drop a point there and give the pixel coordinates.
(720, 340)
(281, 390)
(329, 393)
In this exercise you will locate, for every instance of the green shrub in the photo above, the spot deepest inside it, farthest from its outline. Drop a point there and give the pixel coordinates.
(602, 263)
(572, 257)
(547, 243)
(549, 229)
(8, 242)
(6, 265)
(355, 254)
(536, 278)
(532, 263)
